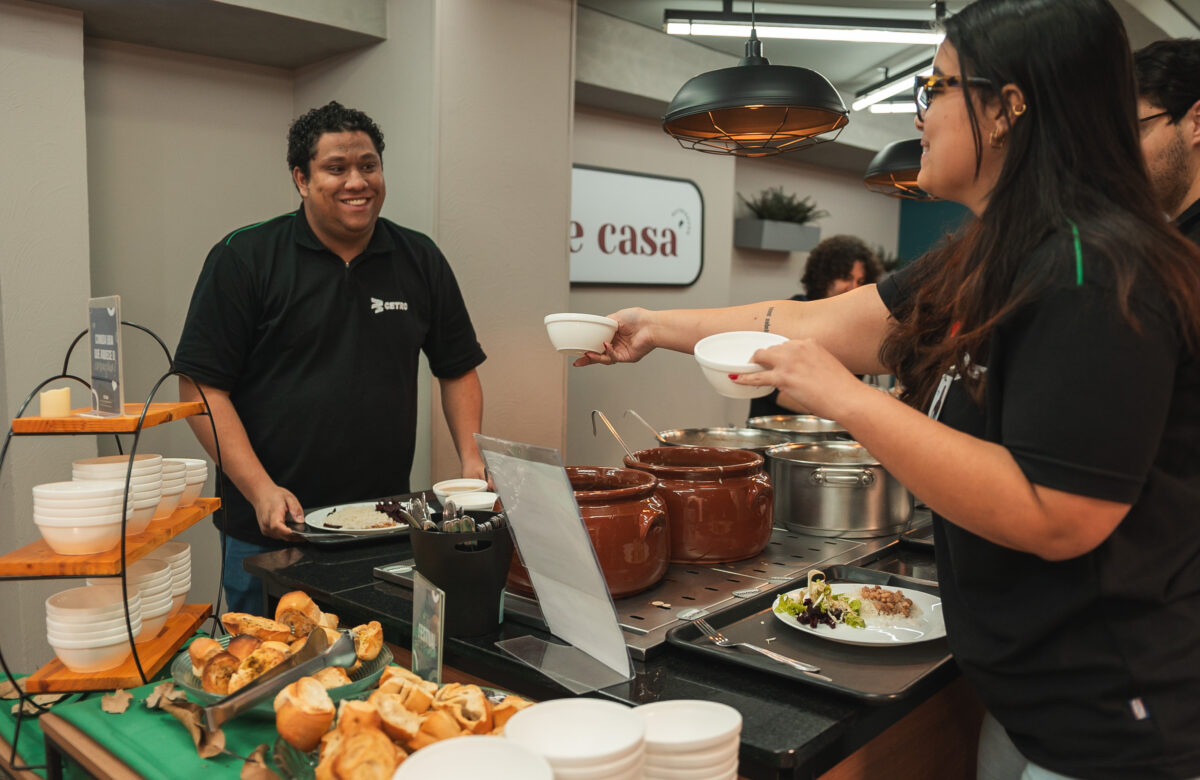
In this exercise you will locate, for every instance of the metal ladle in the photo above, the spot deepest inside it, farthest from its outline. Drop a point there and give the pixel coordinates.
(657, 435)
(611, 430)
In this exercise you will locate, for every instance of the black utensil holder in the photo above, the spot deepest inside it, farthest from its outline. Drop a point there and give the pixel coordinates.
(471, 567)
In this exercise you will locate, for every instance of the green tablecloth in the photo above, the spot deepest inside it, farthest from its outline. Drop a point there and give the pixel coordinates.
(30, 749)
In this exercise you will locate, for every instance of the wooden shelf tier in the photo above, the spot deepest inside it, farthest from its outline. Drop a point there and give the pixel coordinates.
(37, 560)
(157, 414)
(154, 655)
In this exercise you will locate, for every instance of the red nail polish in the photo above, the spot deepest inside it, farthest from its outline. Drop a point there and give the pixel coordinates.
(733, 376)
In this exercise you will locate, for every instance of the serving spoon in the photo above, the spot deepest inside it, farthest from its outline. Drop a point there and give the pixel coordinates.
(640, 419)
(612, 430)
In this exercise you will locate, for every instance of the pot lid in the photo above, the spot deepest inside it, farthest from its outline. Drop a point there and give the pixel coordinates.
(795, 423)
(824, 453)
(736, 438)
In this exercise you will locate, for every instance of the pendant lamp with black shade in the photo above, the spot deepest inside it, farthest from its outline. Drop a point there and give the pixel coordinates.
(893, 171)
(755, 109)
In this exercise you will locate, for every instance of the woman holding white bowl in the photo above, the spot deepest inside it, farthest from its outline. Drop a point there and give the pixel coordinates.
(1050, 355)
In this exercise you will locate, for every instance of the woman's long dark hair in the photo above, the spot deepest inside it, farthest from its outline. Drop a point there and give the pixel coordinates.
(1073, 157)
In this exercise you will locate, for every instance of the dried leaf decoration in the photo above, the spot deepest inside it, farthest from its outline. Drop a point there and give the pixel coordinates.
(115, 702)
(191, 715)
(257, 766)
(8, 690)
(166, 691)
(41, 698)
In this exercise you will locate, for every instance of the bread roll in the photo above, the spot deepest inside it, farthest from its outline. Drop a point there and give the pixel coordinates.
(368, 640)
(282, 647)
(367, 754)
(508, 706)
(332, 677)
(332, 634)
(399, 722)
(200, 651)
(298, 612)
(243, 645)
(467, 705)
(303, 713)
(355, 715)
(399, 674)
(261, 627)
(216, 673)
(253, 666)
(328, 620)
(330, 742)
(435, 726)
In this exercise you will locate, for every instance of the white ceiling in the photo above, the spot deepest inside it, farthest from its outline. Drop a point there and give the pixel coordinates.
(854, 66)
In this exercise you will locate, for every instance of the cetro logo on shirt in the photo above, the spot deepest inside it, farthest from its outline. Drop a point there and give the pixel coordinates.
(379, 306)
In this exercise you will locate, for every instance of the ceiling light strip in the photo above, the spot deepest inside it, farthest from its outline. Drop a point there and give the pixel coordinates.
(891, 86)
(841, 34)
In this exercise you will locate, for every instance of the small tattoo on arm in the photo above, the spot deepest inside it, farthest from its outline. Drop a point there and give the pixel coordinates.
(767, 322)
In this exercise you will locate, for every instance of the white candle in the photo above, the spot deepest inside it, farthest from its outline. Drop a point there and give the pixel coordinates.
(56, 403)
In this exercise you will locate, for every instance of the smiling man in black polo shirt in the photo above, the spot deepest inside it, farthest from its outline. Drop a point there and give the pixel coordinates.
(304, 332)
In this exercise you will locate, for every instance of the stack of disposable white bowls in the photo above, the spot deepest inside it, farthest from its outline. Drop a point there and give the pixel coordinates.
(151, 578)
(174, 481)
(86, 627)
(79, 518)
(178, 555)
(689, 739)
(145, 483)
(473, 758)
(582, 739)
(196, 473)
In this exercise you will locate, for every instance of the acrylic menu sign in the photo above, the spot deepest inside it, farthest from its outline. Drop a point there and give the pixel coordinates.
(634, 228)
(104, 340)
(429, 608)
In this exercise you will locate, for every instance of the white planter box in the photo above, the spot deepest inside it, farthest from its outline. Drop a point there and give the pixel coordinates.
(751, 233)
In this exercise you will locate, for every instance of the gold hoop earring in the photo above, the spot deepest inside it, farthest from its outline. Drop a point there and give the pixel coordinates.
(1019, 110)
(997, 139)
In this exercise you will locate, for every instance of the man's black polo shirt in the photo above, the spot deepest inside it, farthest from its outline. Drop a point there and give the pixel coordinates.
(1189, 223)
(320, 357)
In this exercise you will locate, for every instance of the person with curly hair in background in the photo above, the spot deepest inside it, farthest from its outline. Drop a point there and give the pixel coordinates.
(837, 265)
(304, 332)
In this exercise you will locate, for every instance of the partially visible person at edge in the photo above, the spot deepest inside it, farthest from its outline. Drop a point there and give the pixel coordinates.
(836, 265)
(1168, 78)
(1050, 358)
(304, 332)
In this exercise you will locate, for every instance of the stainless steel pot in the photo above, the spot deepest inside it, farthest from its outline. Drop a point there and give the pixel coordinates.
(836, 488)
(800, 427)
(731, 438)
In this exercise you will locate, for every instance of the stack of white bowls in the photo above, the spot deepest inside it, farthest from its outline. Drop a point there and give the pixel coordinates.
(80, 518)
(582, 739)
(174, 481)
(151, 578)
(178, 555)
(689, 739)
(473, 758)
(86, 627)
(196, 474)
(145, 483)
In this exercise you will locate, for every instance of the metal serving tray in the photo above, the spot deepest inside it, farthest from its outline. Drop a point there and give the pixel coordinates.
(877, 674)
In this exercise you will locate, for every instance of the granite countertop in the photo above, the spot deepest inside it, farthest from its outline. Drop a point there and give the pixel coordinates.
(789, 729)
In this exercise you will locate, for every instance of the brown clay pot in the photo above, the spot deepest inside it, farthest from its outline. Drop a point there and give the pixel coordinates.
(719, 501)
(627, 524)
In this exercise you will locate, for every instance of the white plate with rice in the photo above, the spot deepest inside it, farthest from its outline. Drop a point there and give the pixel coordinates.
(361, 519)
(927, 624)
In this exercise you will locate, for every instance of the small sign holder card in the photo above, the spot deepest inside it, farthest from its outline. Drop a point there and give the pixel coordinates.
(104, 339)
(554, 546)
(429, 606)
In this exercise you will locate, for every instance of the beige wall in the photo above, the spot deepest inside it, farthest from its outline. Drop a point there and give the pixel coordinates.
(667, 388)
(43, 275)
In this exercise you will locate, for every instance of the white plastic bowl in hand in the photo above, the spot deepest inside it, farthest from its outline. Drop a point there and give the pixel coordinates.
(481, 501)
(579, 333)
(722, 354)
(450, 487)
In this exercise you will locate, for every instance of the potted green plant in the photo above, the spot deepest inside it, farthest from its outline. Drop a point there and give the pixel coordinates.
(780, 222)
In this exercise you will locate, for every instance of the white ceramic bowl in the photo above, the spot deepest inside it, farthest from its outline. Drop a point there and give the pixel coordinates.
(172, 551)
(69, 629)
(86, 660)
(190, 493)
(151, 626)
(174, 485)
(159, 605)
(119, 471)
(94, 638)
(577, 732)
(166, 505)
(483, 501)
(95, 602)
(700, 759)
(113, 501)
(81, 539)
(726, 771)
(136, 483)
(94, 489)
(86, 513)
(629, 766)
(139, 520)
(449, 487)
(722, 354)
(578, 333)
(177, 600)
(76, 522)
(143, 459)
(473, 758)
(181, 586)
(689, 725)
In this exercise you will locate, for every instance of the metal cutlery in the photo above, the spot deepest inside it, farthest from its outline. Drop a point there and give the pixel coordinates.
(720, 640)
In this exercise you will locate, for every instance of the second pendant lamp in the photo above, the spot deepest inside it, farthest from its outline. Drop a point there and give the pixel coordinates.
(755, 109)
(894, 171)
